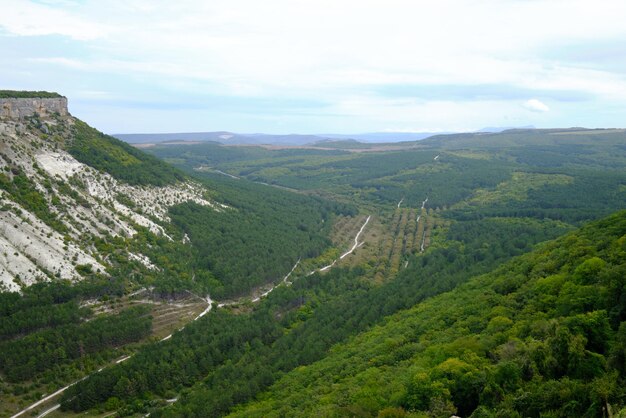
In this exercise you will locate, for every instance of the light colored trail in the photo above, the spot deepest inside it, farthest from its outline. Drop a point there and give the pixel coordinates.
(54, 408)
(400, 202)
(424, 233)
(47, 398)
(324, 268)
(356, 239)
(123, 359)
(356, 245)
(289, 274)
(284, 281)
(436, 157)
(208, 308)
(143, 289)
(226, 174)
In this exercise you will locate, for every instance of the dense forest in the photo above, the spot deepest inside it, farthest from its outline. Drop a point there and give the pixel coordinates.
(446, 169)
(258, 240)
(542, 335)
(316, 312)
(453, 303)
(46, 332)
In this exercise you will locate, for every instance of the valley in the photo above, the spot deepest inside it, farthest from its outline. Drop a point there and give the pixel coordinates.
(471, 274)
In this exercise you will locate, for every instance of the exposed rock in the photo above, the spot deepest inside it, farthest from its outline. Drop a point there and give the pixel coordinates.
(87, 202)
(21, 108)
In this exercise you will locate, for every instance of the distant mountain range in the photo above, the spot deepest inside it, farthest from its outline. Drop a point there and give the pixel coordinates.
(225, 137)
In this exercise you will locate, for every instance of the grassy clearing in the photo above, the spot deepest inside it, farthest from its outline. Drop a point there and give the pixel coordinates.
(517, 188)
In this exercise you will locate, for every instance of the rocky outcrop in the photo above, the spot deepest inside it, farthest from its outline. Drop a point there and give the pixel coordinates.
(20, 108)
(85, 205)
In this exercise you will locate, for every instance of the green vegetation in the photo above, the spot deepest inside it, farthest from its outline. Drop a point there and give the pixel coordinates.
(452, 305)
(543, 334)
(45, 305)
(239, 355)
(258, 238)
(122, 161)
(23, 192)
(592, 160)
(254, 240)
(46, 333)
(25, 357)
(18, 94)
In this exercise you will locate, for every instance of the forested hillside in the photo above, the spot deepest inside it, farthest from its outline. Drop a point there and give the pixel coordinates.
(541, 335)
(106, 248)
(570, 175)
(126, 163)
(251, 267)
(259, 239)
(241, 354)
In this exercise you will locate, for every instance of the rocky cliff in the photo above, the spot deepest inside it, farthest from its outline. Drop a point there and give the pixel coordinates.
(20, 108)
(54, 208)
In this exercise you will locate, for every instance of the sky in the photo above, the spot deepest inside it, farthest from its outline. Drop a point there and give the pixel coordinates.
(321, 66)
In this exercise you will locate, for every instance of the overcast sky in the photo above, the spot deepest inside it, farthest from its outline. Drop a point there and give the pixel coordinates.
(321, 66)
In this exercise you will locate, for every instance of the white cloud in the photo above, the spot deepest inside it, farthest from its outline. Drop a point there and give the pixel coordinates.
(23, 18)
(317, 42)
(535, 105)
(327, 50)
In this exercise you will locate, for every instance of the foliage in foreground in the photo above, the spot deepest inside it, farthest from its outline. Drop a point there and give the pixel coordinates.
(543, 335)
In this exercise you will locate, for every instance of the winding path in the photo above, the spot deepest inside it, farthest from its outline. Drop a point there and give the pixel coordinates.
(258, 298)
(356, 244)
(356, 239)
(209, 302)
(424, 233)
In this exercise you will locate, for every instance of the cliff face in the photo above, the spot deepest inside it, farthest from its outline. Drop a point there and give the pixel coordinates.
(19, 108)
(53, 207)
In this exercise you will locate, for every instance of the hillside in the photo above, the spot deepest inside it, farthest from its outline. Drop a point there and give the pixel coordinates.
(229, 138)
(106, 248)
(199, 283)
(542, 334)
(568, 174)
(65, 185)
(436, 218)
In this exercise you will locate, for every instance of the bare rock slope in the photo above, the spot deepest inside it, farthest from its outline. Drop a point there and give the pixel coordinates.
(50, 202)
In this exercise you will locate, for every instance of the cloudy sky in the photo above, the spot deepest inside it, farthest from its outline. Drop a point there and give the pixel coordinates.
(321, 66)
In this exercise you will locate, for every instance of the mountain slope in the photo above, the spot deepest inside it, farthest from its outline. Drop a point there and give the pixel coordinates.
(75, 201)
(104, 248)
(63, 184)
(542, 334)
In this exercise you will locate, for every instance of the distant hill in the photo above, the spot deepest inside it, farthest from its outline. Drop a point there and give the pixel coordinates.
(233, 138)
(222, 137)
(381, 137)
(269, 139)
(496, 129)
